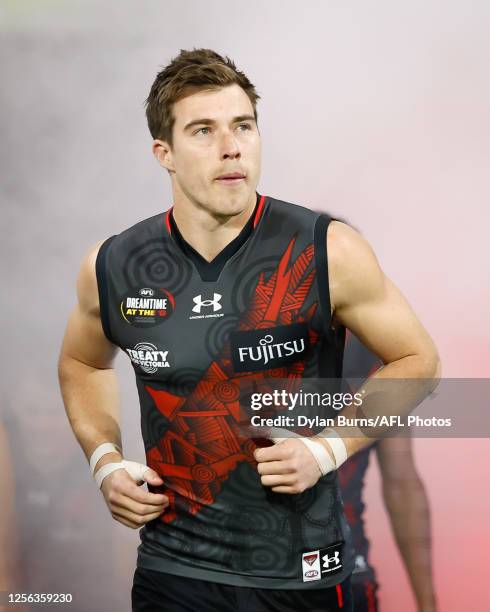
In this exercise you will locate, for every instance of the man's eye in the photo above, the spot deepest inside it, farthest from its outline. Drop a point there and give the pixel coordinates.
(203, 130)
(244, 126)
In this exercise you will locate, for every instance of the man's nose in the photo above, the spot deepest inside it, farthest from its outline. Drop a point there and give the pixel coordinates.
(229, 146)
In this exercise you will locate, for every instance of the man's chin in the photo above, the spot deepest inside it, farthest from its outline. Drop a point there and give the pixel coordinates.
(232, 203)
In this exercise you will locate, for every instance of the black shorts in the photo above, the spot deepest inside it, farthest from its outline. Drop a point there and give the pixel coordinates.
(364, 595)
(160, 592)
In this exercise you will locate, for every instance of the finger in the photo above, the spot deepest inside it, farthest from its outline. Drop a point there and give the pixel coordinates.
(142, 509)
(134, 518)
(140, 472)
(129, 488)
(271, 453)
(143, 497)
(152, 477)
(119, 519)
(124, 521)
(274, 480)
(285, 489)
(275, 467)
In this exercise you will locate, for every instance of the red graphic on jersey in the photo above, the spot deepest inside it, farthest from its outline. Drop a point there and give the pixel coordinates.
(310, 559)
(204, 442)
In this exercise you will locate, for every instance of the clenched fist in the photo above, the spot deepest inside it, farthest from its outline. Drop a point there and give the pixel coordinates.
(128, 502)
(287, 467)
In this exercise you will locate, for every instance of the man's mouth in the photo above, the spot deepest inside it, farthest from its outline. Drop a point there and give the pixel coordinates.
(231, 178)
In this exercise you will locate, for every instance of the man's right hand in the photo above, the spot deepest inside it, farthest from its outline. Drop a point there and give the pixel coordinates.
(129, 503)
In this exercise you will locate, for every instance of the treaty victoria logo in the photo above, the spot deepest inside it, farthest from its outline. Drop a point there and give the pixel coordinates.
(148, 357)
(269, 348)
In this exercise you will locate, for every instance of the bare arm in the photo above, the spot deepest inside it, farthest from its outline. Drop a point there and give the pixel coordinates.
(408, 508)
(367, 302)
(89, 388)
(87, 377)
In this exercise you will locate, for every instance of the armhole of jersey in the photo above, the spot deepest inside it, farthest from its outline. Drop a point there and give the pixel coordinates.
(321, 263)
(333, 361)
(101, 273)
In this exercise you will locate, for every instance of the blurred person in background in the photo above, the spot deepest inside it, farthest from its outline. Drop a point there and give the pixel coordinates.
(403, 493)
(9, 553)
(64, 537)
(404, 496)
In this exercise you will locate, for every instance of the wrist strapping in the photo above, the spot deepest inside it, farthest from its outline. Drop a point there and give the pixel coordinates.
(134, 469)
(321, 454)
(337, 445)
(322, 457)
(100, 451)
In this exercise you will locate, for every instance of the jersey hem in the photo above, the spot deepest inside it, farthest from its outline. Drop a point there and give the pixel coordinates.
(179, 569)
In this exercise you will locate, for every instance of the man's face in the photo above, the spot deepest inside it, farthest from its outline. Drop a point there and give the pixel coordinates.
(215, 136)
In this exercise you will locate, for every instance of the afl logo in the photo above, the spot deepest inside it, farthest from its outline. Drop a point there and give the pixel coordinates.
(146, 306)
(146, 292)
(311, 574)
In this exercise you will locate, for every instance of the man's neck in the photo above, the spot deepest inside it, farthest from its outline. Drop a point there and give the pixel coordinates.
(207, 234)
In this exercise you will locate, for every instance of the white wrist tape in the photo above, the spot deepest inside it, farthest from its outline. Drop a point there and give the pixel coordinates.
(337, 445)
(100, 451)
(323, 459)
(321, 454)
(134, 469)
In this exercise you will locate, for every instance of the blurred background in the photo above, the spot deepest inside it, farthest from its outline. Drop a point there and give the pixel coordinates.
(378, 112)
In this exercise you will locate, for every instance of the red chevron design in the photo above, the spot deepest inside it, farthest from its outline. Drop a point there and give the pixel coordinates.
(204, 442)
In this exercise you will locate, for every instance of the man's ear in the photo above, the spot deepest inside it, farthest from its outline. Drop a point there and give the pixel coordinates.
(163, 154)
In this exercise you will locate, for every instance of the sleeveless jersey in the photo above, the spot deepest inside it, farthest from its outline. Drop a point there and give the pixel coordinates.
(193, 333)
(359, 363)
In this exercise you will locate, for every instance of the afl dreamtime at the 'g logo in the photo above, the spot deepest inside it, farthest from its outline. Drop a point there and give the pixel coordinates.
(147, 306)
(269, 348)
(148, 357)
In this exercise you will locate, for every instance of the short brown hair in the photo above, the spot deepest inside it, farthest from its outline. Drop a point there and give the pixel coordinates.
(189, 72)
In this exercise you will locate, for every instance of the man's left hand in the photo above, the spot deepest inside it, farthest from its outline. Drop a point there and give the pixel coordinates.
(287, 467)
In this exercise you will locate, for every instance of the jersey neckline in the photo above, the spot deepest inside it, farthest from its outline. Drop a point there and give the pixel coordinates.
(209, 271)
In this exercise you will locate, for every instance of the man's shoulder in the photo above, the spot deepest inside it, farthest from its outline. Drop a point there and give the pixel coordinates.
(305, 209)
(354, 271)
(293, 210)
(142, 231)
(347, 246)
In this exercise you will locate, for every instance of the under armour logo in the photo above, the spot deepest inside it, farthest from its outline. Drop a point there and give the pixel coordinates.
(333, 559)
(199, 303)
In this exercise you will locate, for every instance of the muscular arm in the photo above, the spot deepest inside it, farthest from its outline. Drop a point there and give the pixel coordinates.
(408, 508)
(367, 302)
(87, 378)
(89, 388)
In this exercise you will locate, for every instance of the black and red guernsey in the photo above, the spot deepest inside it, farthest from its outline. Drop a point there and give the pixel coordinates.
(195, 331)
(359, 363)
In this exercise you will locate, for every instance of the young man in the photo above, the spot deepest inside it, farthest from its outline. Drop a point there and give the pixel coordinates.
(226, 288)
